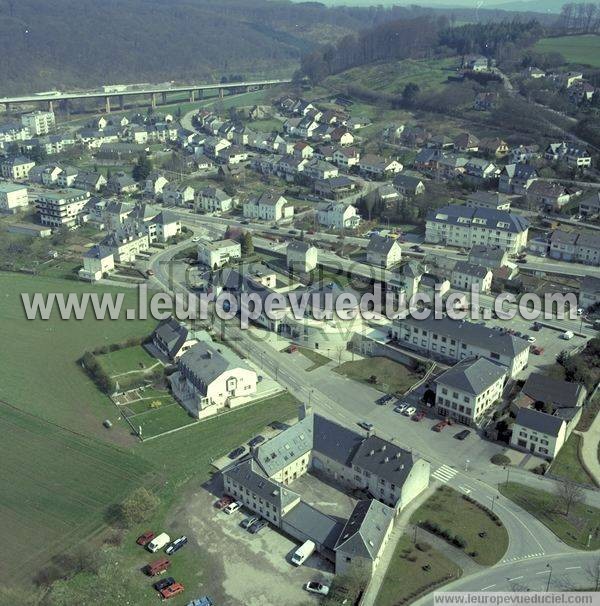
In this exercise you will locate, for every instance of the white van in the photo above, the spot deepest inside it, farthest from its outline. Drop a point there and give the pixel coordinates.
(158, 542)
(568, 334)
(303, 553)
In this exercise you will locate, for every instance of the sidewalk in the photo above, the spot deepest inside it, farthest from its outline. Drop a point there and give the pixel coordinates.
(589, 449)
(400, 527)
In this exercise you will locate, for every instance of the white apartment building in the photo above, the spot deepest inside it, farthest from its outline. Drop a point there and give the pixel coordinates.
(339, 216)
(125, 244)
(269, 206)
(466, 391)
(13, 197)
(466, 227)
(538, 432)
(216, 254)
(39, 122)
(17, 168)
(466, 276)
(454, 340)
(97, 261)
(63, 207)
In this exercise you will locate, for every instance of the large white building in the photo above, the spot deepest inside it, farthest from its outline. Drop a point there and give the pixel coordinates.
(63, 207)
(13, 197)
(469, 389)
(216, 254)
(466, 227)
(339, 216)
(454, 340)
(210, 378)
(213, 200)
(269, 206)
(39, 122)
(17, 168)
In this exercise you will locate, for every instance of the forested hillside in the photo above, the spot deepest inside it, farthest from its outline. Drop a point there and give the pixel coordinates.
(82, 43)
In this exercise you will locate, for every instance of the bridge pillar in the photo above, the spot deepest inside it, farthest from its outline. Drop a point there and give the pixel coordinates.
(200, 94)
(192, 96)
(164, 98)
(50, 106)
(121, 102)
(7, 107)
(221, 93)
(107, 105)
(153, 100)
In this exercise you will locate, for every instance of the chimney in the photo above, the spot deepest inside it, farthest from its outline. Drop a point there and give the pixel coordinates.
(371, 452)
(386, 460)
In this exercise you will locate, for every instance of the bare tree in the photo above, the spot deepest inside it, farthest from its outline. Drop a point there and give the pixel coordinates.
(339, 350)
(568, 493)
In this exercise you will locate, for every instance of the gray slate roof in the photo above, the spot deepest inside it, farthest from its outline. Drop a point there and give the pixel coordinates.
(172, 335)
(384, 459)
(558, 393)
(380, 244)
(494, 219)
(335, 441)
(539, 421)
(464, 267)
(473, 376)
(321, 528)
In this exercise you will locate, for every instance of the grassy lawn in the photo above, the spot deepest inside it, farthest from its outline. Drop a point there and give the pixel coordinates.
(590, 411)
(55, 487)
(568, 465)
(392, 377)
(407, 575)
(129, 359)
(584, 50)
(168, 417)
(316, 358)
(573, 529)
(450, 511)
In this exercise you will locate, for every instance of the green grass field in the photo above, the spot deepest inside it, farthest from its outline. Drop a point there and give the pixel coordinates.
(127, 360)
(55, 487)
(412, 571)
(568, 465)
(583, 50)
(450, 511)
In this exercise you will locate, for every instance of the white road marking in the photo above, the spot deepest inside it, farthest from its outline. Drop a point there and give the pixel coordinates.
(465, 489)
(543, 572)
(573, 568)
(515, 579)
(489, 587)
(444, 473)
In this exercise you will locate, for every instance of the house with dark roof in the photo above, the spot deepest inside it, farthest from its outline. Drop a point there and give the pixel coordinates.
(467, 276)
(590, 205)
(516, 178)
(468, 391)
(390, 475)
(172, 339)
(455, 340)
(301, 256)
(488, 256)
(407, 185)
(589, 292)
(538, 433)
(383, 251)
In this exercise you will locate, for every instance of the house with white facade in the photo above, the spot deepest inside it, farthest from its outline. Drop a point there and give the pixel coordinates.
(13, 197)
(39, 122)
(383, 251)
(301, 256)
(172, 339)
(218, 253)
(62, 208)
(378, 167)
(269, 206)
(178, 194)
(213, 200)
(468, 391)
(339, 216)
(464, 227)
(97, 261)
(17, 168)
(467, 276)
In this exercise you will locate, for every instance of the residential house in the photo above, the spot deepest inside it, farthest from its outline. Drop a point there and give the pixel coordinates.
(339, 216)
(120, 183)
(346, 157)
(377, 167)
(548, 196)
(39, 122)
(468, 276)
(589, 206)
(573, 156)
(485, 101)
(342, 136)
(172, 339)
(126, 243)
(89, 181)
(498, 148)
(524, 154)
(211, 378)
(16, 168)
(576, 246)
(213, 200)
(468, 391)
(303, 150)
(465, 142)
(492, 257)
(383, 251)
(218, 253)
(336, 188)
(455, 340)
(178, 194)
(476, 63)
(589, 292)
(67, 176)
(538, 433)
(464, 227)
(487, 199)
(409, 186)
(319, 169)
(98, 261)
(479, 169)
(154, 184)
(301, 256)
(517, 178)
(269, 206)
(13, 197)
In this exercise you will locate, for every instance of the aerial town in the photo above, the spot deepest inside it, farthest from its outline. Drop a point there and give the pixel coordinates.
(372, 459)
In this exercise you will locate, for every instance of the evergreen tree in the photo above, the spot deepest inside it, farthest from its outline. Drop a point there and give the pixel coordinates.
(142, 168)
(247, 243)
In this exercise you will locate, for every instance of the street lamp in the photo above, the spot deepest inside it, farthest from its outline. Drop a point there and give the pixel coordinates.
(548, 565)
(494, 499)
(467, 465)
(507, 469)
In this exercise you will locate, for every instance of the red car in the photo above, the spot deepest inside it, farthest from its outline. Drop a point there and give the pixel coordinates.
(419, 416)
(157, 567)
(537, 350)
(224, 501)
(171, 591)
(145, 538)
(439, 426)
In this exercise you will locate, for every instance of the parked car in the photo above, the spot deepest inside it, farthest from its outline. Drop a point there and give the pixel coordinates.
(257, 526)
(316, 587)
(157, 567)
(419, 416)
(366, 425)
(384, 399)
(567, 335)
(292, 348)
(461, 435)
(410, 411)
(255, 441)
(232, 507)
(158, 542)
(400, 408)
(203, 601)
(176, 545)
(247, 522)
(163, 583)
(537, 350)
(531, 339)
(537, 326)
(245, 222)
(149, 272)
(145, 538)
(439, 426)
(237, 452)
(196, 239)
(171, 591)
(224, 502)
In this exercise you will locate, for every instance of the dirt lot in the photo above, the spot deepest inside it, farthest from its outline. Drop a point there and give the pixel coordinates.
(247, 570)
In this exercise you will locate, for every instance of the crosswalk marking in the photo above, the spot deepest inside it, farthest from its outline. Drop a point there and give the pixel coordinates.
(522, 557)
(444, 473)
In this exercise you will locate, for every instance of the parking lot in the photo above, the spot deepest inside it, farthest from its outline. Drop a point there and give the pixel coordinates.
(252, 570)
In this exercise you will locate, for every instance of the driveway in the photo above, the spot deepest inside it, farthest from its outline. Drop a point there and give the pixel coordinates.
(249, 570)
